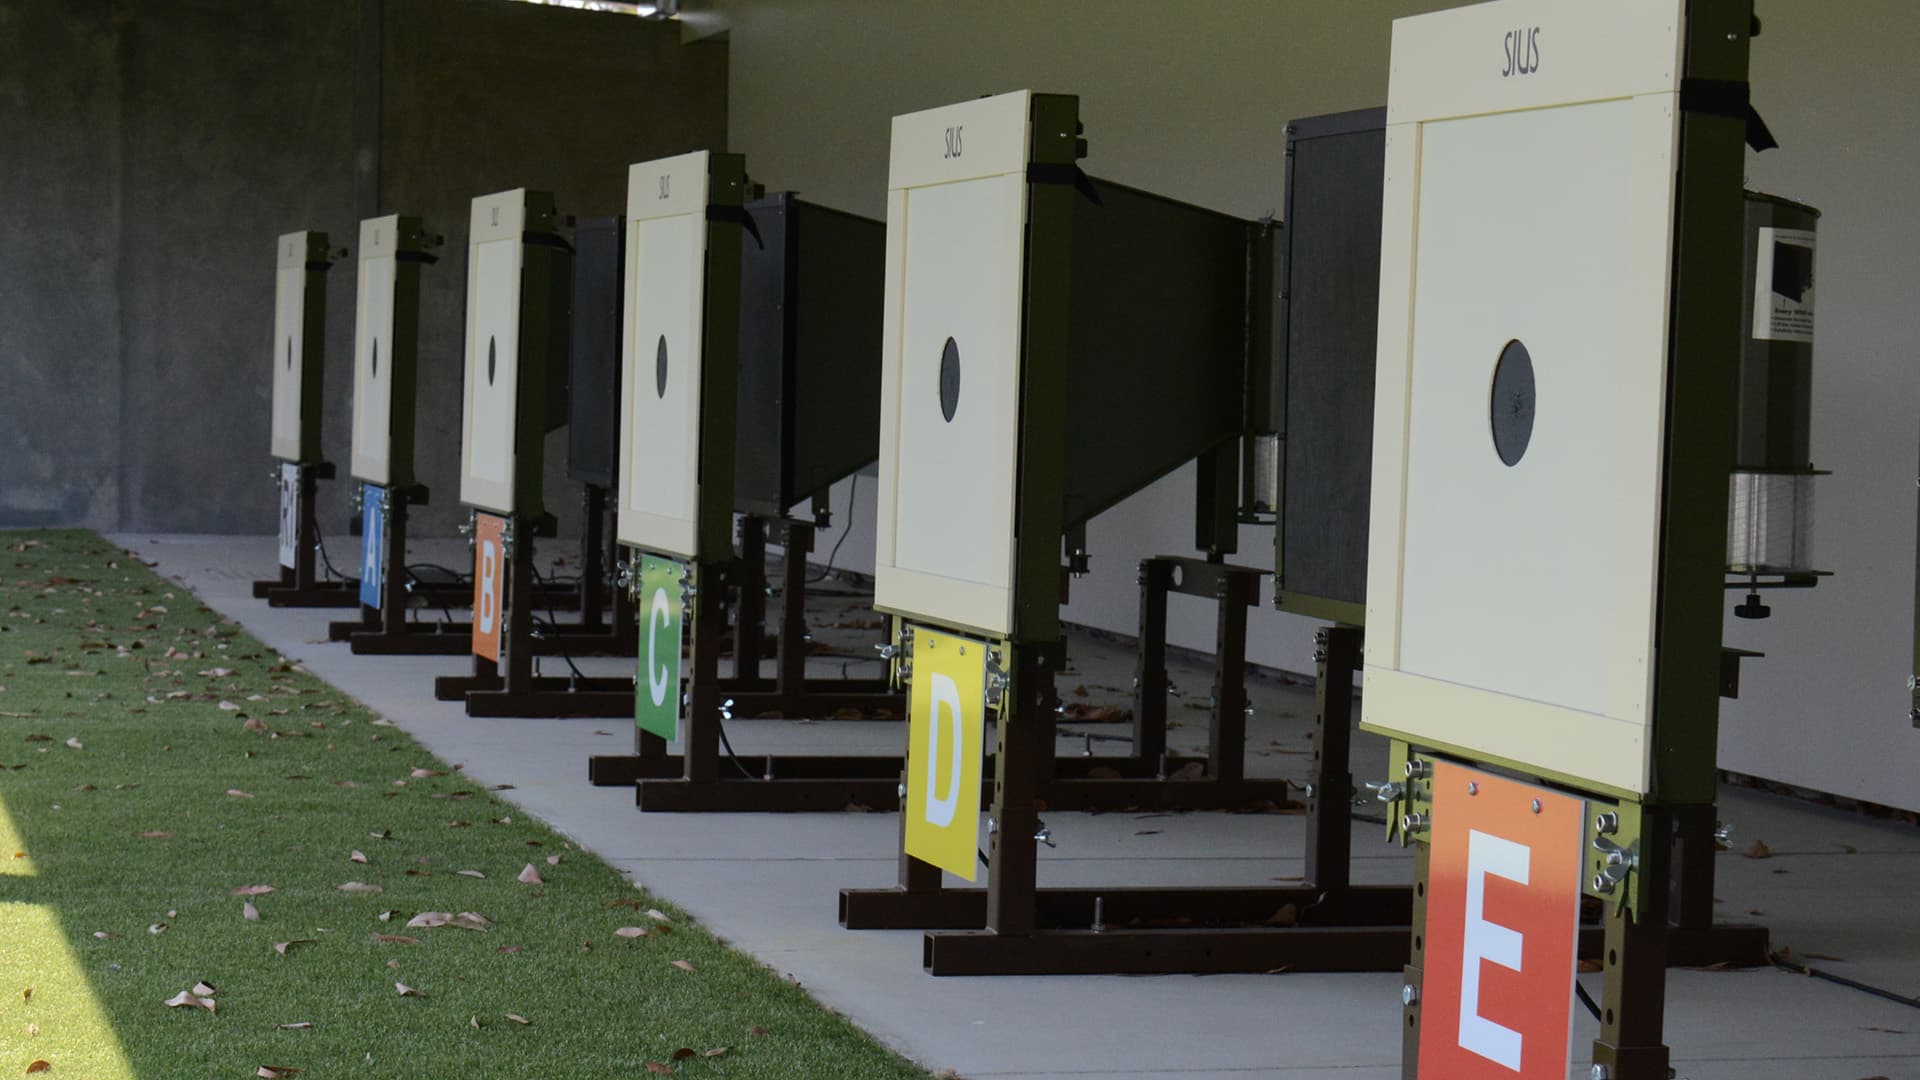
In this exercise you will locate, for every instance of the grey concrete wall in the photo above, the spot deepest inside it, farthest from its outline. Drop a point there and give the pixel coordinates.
(154, 152)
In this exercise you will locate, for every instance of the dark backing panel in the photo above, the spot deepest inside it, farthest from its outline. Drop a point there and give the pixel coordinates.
(762, 468)
(1329, 310)
(839, 295)
(593, 364)
(1157, 341)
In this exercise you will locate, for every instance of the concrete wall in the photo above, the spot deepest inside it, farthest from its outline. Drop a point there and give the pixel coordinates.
(172, 142)
(1190, 100)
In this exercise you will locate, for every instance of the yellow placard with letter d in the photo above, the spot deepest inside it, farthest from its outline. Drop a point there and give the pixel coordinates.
(946, 723)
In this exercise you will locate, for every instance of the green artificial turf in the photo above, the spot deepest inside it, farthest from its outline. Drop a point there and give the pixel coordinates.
(122, 857)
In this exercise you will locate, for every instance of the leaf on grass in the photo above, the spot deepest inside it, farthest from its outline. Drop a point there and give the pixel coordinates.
(249, 912)
(658, 916)
(357, 856)
(276, 1072)
(553, 860)
(683, 966)
(281, 947)
(228, 706)
(40, 1066)
(238, 794)
(530, 876)
(471, 873)
(1759, 850)
(186, 999)
(508, 950)
(216, 673)
(105, 935)
(358, 887)
(427, 920)
(157, 928)
(656, 1067)
(518, 1019)
(470, 920)
(203, 989)
(396, 939)
(75, 744)
(422, 774)
(253, 724)
(407, 991)
(630, 932)
(716, 1051)
(253, 890)
(684, 1053)
(302, 1025)
(758, 1030)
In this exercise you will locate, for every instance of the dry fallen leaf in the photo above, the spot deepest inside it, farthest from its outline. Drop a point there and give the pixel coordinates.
(203, 989)
(157, 928)
(757, 1030)
(683, 965)
(357, 856)
(1759, 850)
(530, 876)
(43, 1065)
(684, 1053)
(716, 1051)
(396, 939)
(300, 1026)
(281, 947)
(359, 887)
(228, 706)
(518, 1019)
(75, 744)
(422, 774)
(630, 932)
(238, 794)
(187, 999)
(657, 915)
(656, 1067)
(430, 919)
(253, 890)
(508, 950)
(276, 1072)
(249, 912)
(407, 991)
(470, 873)
(553, 860)
(156, 835)
(105, 935)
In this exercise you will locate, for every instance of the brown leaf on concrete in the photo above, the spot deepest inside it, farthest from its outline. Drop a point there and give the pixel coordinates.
(1759, 850)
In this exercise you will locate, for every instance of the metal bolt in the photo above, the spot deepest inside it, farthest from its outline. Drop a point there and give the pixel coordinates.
(1386, 792)
(1536, 806)
(1607, 824)
(1099, 914)
(993, 826)
(1413, 822)
(1308, 790)
(1723, 831)
(902, 789)
(1409, 994)
(886, 651)
(1473, 787)
(1601, 1072)
(1417, 769)
(1602, 884)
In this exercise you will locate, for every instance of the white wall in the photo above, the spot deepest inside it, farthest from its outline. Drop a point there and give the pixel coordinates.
(1190, 99)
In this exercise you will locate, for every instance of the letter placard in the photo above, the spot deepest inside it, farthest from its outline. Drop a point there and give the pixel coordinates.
(946, 723)
(373, 544)
(489, 583)
(1503, 920)
(656, 699)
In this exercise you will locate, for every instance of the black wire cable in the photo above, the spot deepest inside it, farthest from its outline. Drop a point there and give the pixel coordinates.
(1586, 999)
(846, 530)
(446, 613)
(559, 642)
(1839, 980)
(321, 543)
(731, 756)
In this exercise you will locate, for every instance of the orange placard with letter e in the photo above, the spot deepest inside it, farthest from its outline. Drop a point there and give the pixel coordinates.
(489, 583)
(1503, 922)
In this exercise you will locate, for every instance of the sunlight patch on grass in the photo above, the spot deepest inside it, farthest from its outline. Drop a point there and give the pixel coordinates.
(48, 1011)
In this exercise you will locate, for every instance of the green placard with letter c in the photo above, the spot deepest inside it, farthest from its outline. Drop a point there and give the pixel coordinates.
(656, 698)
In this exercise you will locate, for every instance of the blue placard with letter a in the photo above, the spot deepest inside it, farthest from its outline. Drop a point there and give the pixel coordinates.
(373, 545)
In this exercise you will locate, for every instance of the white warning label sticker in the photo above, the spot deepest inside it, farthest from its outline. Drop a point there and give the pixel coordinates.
(1783, 285)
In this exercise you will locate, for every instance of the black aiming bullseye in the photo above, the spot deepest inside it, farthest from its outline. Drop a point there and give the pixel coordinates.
(949, 380)
(1512, 403)
(660, 367)
(492, 361)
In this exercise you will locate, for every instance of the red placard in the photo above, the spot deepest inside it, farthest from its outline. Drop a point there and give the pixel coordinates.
(489, 583)
(1503, 922)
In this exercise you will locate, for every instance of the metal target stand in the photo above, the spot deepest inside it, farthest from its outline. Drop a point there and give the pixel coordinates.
(300, 295)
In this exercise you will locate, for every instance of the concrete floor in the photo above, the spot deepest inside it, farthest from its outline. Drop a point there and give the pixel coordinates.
(1837, 885)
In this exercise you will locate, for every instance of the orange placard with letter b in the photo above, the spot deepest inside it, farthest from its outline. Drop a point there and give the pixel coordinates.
(1503, 922)
(489, 583)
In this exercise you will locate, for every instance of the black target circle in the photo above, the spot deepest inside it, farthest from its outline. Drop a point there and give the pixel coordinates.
(660, 367)
(1512, 403)
(493, 361)
(949, 380)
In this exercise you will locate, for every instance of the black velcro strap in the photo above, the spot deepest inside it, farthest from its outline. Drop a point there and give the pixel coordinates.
(1732, 100)
(425, 258)
(1073, 176)
(736, 215)
(546, 239)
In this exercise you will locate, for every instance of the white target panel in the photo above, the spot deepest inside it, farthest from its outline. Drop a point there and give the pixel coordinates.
(373, 349)
(950, 363)
(492, 366)
(1527, 248)
(289, 344)
(661, 351)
